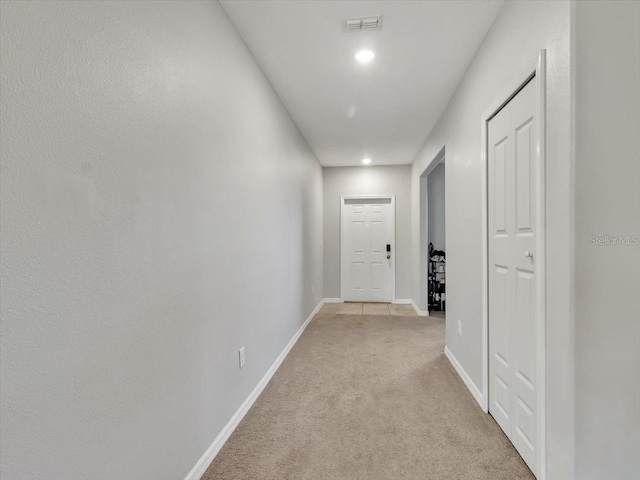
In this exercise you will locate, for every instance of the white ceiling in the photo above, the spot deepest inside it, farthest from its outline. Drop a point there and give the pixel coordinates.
(347, 111)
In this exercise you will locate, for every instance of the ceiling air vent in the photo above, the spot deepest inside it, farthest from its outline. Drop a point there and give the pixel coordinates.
(359, 24)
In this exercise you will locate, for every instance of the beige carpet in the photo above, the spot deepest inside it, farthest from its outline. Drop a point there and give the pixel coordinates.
(368, 397)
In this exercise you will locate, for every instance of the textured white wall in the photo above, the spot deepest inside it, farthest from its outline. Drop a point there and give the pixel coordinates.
(395, 180)
(436, 206)
(521, 30)
(159, 210)
(607, 277)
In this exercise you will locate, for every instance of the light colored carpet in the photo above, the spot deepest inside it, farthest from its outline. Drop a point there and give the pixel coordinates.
(368, 397)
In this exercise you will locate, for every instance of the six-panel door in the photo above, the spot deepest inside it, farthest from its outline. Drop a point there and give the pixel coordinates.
(367, 273)
(512, 272)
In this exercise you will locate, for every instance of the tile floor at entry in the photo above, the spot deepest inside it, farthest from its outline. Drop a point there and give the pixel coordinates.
(368, 309)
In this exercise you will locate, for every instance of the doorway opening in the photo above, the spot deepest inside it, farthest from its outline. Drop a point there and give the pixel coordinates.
(436, 238)
(432, 298)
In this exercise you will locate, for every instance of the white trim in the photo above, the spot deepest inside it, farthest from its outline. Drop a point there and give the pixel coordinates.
(422, 313)
(331, 300)
(393, 240)
(409, 301)
(475, 391)
(537, 69)
(209, 455)
(385, 196)
(541, 185)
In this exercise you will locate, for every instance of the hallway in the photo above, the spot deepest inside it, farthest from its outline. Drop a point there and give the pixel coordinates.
(196, 195)
(367, 397)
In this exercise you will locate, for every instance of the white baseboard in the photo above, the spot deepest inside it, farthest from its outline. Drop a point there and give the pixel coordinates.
(422, 313)
(331, 300)
(475, 391)
(402, 301)
(201, 466)
(409, 301)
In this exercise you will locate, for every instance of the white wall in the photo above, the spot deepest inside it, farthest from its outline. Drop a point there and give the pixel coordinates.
(159, 210)
(395, 180)
(521, 30)
(607, 278)
(436, 207)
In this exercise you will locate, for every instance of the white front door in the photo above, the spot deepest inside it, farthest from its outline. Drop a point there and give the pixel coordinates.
(368, 249)
(512, 272)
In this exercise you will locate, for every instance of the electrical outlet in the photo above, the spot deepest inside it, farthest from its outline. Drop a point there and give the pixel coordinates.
(241, 357)
(459, 328)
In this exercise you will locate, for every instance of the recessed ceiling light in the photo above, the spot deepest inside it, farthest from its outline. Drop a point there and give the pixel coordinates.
(365, 56)
(366, 161)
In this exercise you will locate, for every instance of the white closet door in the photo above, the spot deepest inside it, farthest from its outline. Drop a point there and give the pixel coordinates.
(512, 272)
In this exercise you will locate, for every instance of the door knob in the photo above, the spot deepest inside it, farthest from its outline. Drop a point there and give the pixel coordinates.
(528, 254)
(388, 256)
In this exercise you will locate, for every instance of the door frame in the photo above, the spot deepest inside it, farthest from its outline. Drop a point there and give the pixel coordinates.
(440, 157)
(392, 198)
(537, 69)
